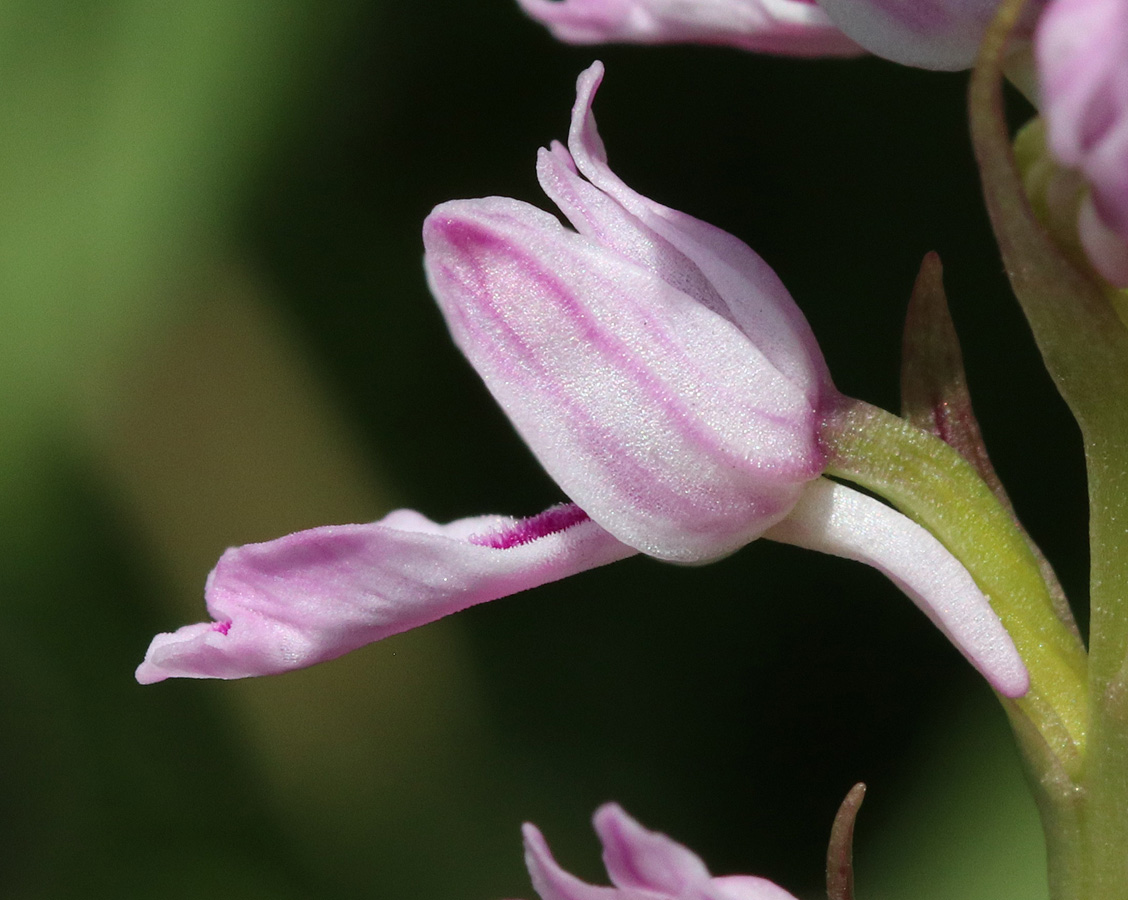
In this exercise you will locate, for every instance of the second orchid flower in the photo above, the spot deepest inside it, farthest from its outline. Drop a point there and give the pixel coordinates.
(660, 372)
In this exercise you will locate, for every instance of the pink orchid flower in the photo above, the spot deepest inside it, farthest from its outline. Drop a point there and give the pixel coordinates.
(642, 865)
(785, 27)
(660, 372)
(928, 34)
(1082, 51)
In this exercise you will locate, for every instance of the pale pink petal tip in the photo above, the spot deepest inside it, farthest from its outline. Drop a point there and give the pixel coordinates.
(189, 652)
(641, 864)
(783, 27)
(315, 595)
(838, 520)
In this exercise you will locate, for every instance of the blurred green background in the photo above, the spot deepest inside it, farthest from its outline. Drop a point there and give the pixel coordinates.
(214, 329)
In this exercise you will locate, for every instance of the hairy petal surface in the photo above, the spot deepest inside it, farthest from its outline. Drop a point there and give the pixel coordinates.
(1082, 52)
(315, 595)
(844, 522)
(643, 865)
(928, 34)
(785, 27)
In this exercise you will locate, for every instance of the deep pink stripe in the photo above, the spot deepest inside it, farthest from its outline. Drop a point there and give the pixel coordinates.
(524, 531)
(631, 477)
(613, 348)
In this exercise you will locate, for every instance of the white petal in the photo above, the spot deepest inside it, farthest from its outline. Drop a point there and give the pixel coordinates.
(841, 521)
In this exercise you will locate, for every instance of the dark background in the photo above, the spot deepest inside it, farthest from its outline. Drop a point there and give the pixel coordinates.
(217, 331)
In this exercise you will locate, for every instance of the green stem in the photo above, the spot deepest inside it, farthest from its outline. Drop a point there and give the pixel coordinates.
(1106, 776)
(930, 482)
(1085, 347)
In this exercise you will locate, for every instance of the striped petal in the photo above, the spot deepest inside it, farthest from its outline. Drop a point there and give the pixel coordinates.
(655, 365)
(315, 595)
(657, 416)
(741, 286)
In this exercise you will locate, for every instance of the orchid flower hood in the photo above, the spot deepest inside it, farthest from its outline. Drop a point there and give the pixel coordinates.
(656, 366)
(664, 377)
(642, 865)
(1082, 52)
(785, 27)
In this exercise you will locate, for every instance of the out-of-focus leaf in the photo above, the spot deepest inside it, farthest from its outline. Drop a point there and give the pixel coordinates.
(128, 132)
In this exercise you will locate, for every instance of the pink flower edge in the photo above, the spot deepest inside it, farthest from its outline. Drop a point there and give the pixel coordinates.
(781, 27)
(641, 864)
(315, 595)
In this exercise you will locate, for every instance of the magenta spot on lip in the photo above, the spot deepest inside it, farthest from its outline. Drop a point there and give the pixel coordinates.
(222, 627)
(523, 531)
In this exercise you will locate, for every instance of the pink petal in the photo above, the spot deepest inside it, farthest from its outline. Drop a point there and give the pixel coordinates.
(1082, 50)
(655, 365)
(929, 34)
(658, 417)
(756, 300)
(315, 595)
(839, 520)
(650, 862)
(647, 860)
(786, 27)
(552, 882)
(643, 865)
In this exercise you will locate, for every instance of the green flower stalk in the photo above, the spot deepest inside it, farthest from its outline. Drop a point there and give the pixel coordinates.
(1085, 347)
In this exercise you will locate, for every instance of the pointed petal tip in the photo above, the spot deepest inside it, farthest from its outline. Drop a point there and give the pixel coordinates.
(610, 814)
(201, 650)
(147, 673)
(591, 77)
(549, 880)
(531, 837)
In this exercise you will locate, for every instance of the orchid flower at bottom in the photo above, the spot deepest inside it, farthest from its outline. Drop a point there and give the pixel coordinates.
(642, 865)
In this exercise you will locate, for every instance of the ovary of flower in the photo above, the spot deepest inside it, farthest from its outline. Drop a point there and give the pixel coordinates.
(641, 864)
(1082, 52)
(785, 27)
(661, 373)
